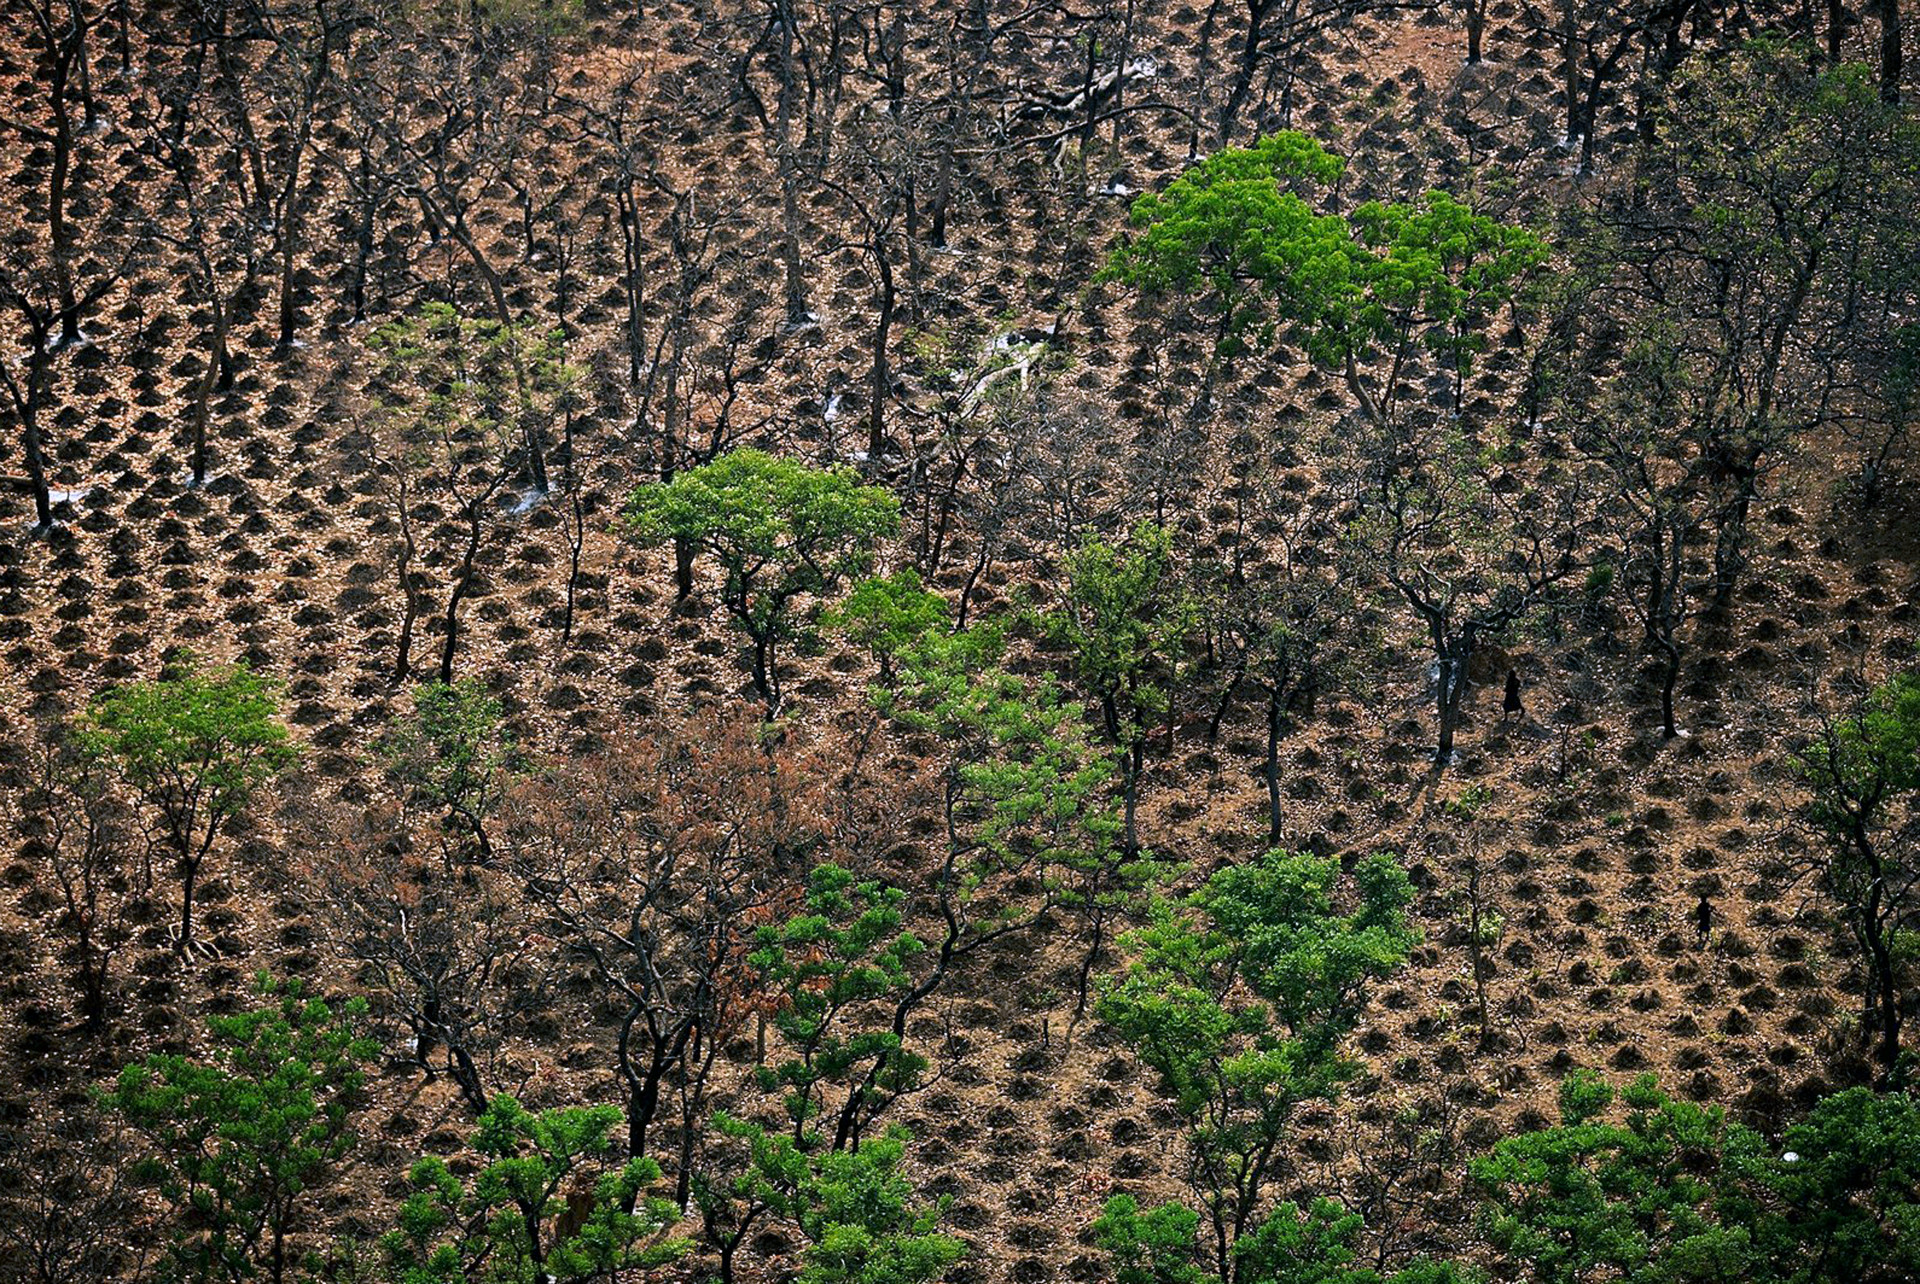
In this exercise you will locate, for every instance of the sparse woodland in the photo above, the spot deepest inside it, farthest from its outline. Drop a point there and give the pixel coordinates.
(1136, 641)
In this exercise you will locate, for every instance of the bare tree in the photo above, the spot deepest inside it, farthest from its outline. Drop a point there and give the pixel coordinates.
(60, 28)
(1627, 407)
(70, 1212)
(479, 99)
(30, 393)
(51, 282)
(449, 420)
(1284, 629)
(877, 188)
(618, 132)
(216, 240)
(653, 862)
(450, 952)
(771, 39)
(81, 835)
(303, 38)
(1470, 555)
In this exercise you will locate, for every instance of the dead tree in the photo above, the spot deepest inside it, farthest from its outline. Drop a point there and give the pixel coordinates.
(1471, 557)
(616, 130)
(448, 423)
(60, 28)
(30, 394)
(652, 864)
(447, 951)
(780, 46)
(877, 195)
(297, 74)
(80, 837)
(70, 1210)
(478, 101)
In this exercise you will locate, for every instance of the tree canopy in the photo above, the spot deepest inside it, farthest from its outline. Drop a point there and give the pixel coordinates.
(779, 529)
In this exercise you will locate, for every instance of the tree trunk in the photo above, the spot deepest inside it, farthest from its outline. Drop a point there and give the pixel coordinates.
(203, 394)
(643, 1093)
(633, 278)
(285, 340)
(459, 591)
(1477, 946)
(411, 615)
(1570, 67)
(693, 1094)
(942, 186)
(26, 405)
(37, 475)
(682, 568)
(62, 51)
(466, 1075)
(576, 547)
(1589, 126)
(1249, 64)
(1276, 719)
(789, 175)
(881, 380)
(1452, 683)
(1131, 767)
(189, 874)
(93, 992)
(1098, 939)
(1883, 998)
(1890, 62)
(1669, 678)
(765, 683)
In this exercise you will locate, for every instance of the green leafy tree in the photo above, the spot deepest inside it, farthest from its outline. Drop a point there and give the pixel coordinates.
(452, 754)
(1232, 229)
(242, 1137)
(1025, 796)
(1240, 999)
(1676, 1193)
(1124, 623)
(1864, 769)
(1311, 1245)
(780, 530)
(885, 615)
(1291, 1245)
(829, 967)
(1158, 1245)
(1589, 1198)
(195, 746)
(552, 1203)
(856, 1209)
(1839, 1198)
(1364, 294)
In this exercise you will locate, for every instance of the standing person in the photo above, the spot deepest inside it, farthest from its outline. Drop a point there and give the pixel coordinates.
(1510, 707)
